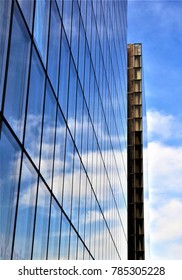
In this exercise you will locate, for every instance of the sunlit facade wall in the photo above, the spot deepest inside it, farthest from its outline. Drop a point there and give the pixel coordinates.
(63, 129)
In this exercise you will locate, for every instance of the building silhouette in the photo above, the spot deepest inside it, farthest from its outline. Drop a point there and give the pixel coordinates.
(63, 130)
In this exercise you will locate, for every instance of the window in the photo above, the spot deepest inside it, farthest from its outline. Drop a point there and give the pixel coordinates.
(26, 212)
(48, 136)
(4, 31)
(65, 233)
(41, 24)
(72, 98)
(35, 109)
(27, 9)
(59, 157)
(68, 175)
(67, 14)
(9, 176)
(54, 46)
(64, 74)
(54, 232)
(16, 89)
(42, 221)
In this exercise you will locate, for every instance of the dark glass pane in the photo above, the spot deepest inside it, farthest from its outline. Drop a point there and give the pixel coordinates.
(48, 135)
(59, 157)
(64, 74)
(9, 176)
(27, 9)
(54, 232)
(41, 24)
(35, 108)
(42, 220)
(65, 232)
(16, 89)
(5, 6)
(26, 212)
(54, 46)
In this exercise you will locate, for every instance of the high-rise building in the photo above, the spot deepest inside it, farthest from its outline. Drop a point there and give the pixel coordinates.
(63, 129)
(135, 154)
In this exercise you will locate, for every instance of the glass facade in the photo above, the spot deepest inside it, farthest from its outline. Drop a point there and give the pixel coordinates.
(63, 129)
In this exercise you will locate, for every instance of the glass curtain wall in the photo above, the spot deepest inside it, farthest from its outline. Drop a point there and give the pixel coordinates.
(63, 181)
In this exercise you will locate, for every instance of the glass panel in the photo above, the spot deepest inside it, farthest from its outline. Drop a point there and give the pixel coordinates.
(81, 54)
(26, 211)
(73, 245)
(82, 203)
(76, 191)
(68, 175)
(48, 136)
(41, 24)
(79, 116)
(80, 250)
(54, 46)
(42, 221)
(59, 157)
(60, 6)
(17, 75)
(72, 98)
(54, 232)
(4, 32)
(9, 176)
(64, 73)
(67, 10)
(65, 233)
(27, 9)
(75, 33)
(35, 108)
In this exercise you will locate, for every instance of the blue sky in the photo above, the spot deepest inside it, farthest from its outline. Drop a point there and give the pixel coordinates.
(158, 26)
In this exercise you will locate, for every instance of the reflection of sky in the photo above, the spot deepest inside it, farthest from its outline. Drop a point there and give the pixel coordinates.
(100, 161)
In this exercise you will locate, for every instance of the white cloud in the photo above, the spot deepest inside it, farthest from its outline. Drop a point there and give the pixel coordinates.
(163, 126)
(165, 186)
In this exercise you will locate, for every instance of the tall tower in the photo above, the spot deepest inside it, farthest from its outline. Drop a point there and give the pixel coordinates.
(135, 155)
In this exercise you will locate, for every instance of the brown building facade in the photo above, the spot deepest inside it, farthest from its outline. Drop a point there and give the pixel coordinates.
(136, 249)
